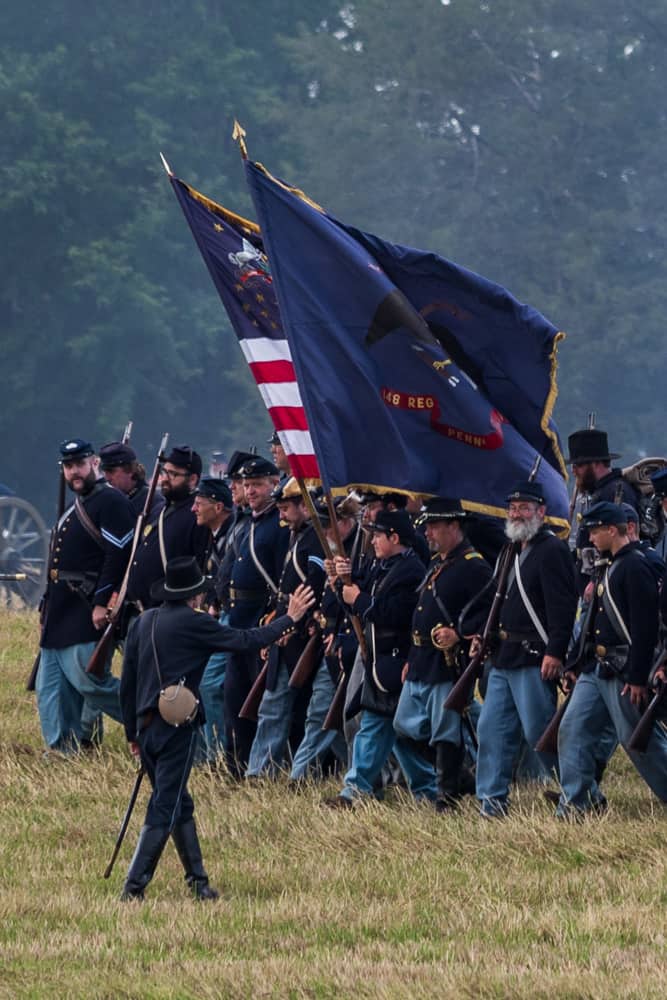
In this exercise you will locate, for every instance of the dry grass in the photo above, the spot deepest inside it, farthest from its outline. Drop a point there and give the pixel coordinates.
(389, 901)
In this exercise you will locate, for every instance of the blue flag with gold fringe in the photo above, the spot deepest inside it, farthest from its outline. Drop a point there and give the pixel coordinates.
(415, 374)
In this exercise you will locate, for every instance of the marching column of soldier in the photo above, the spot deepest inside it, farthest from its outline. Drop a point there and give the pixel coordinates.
(333, 630)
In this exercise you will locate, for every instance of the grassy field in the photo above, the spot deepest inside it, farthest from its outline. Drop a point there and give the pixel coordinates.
(388, 901)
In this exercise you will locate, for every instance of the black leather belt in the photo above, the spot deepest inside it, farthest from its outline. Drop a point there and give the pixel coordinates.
(421, 640)
(519, 636)
(255, 596)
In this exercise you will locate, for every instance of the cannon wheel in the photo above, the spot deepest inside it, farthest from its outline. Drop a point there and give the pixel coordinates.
(24, 548)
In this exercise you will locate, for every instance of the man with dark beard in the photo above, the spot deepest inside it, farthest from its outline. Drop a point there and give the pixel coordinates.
(88, 556)
(173, 531)
(535, 624)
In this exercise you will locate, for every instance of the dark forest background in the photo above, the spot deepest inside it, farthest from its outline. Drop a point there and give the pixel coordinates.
(525, 140)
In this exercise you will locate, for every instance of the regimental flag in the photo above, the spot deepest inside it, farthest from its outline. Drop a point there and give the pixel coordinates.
(415, 374)
(234, 254)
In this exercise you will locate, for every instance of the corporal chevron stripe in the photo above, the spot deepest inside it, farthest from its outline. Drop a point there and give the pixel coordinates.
(233, 250)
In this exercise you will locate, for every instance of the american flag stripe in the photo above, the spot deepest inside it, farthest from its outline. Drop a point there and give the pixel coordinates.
(233, 250)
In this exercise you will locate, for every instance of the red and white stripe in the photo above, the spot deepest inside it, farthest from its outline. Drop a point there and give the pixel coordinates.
(271, 364)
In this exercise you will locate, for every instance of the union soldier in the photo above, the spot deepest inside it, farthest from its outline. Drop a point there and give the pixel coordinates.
(173, 531)
(120, 468)
(339, 645)
(374, 502)
(595, 480)
(535, 625)
(86, 565)
(170, 645)
(384, 601)
(613, 685)
(282, 710)
(212, 507)
(253, 580)
(659, 480)
(449, 612)
(278, 455)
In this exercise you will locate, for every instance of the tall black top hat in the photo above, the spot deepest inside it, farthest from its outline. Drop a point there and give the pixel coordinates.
(589, 446)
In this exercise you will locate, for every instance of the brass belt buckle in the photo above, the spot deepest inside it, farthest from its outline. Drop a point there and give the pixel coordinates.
(601, 651)
(503, 634)
(53, 575)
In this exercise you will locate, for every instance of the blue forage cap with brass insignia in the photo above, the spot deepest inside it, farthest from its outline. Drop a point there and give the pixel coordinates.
(216, 490)
(236, 461)
(441, 509)
(659, 480)
(75, 448)
(602, 514)
(527, 490)
(257, 468)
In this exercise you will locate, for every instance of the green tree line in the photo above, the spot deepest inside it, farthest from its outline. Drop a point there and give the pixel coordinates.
(523, 140)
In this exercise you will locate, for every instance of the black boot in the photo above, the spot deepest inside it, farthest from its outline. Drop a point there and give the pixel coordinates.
(448, 761)
(189, 851)
(142, 867)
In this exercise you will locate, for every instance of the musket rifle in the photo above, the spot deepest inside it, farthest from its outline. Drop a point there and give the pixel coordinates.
(641, 734)
(104, 647)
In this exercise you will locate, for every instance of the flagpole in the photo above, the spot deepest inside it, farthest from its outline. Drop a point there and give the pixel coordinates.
(238, 135)
(314, 518)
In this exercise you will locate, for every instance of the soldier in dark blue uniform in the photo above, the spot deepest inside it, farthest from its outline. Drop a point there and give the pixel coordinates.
(595, 480)
(170, 645)
(119, 465)
(212, 507)
(375, 502)
(535, 626)
(613, 685)
(253, 581)
(452, 608)
(384, 601)
(89, 553)
(173, 531)
(282, 710)
(339, 645)
(659, 480)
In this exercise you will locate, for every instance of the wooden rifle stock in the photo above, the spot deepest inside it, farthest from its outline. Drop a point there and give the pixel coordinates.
(458, 697)
(548, 741)
(102, 650)
(308, 662)
(334, 717)
(250, 707)
(641, 734)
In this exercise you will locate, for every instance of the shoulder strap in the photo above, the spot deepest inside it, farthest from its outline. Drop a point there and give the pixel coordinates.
(269, 582)
(87, 523)
(160, 535)
(527, 602)
(611, 608)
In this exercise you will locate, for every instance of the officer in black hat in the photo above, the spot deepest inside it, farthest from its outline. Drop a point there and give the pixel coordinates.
(174, 530)
(613, 685)
(384, 601)
(167, 649)
(535, 626)
(88, 556)
(212, 507)
(253, 581)
(452, 607)
(595, 480)
(119, 465)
